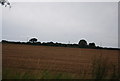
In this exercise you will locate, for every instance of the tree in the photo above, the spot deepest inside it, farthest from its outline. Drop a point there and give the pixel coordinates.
(33, 40)
(92, 44)
(5, 3)
(82, 43)
(4, 41)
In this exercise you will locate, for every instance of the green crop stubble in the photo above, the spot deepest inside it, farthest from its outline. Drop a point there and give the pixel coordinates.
(101, 67)
(9, 74)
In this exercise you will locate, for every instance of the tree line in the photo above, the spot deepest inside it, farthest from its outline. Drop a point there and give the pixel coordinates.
(34, 41)
(81, 44)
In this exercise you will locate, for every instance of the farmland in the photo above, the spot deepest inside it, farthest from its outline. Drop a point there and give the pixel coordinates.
(74, 63)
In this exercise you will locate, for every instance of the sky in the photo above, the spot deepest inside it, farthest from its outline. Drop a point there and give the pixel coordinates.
(63, 0)
(64, 22)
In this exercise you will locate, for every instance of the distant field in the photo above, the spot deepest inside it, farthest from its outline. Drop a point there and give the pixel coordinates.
(69, 62)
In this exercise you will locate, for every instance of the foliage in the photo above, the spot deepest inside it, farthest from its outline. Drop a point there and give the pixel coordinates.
(82, 43)
(33, 40)
(5, 3)
(92, 45)
(100, 67)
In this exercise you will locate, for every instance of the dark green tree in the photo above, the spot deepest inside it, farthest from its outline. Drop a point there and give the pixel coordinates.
(82, 43)
(33, 40)
(92, 44)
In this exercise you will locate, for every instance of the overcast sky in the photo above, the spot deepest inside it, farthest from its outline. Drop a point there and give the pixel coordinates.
(62, 22)
(63, 0)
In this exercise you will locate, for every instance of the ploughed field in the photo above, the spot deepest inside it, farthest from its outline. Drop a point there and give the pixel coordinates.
(72, 62)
